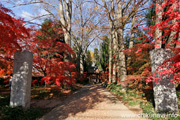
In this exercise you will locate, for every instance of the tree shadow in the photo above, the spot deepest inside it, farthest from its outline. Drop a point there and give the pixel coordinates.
(81, 101)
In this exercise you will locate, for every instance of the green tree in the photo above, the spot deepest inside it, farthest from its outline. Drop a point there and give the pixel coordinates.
(104, 53)
(53, 33)
(97, 57)
(88, 59)
(48, 36)
(150, 13)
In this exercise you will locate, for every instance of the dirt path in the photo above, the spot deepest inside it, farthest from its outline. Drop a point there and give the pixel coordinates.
(92, 102)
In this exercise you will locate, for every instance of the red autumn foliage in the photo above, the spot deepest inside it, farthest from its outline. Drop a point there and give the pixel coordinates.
(139, 62)
(49, 56)
(49, 51)
(13, 32)
(34, 82)
(169, 25)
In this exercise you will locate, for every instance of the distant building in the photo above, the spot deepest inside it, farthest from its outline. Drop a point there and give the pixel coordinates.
(93, 73)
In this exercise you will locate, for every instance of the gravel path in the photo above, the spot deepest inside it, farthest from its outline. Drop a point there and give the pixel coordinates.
(92, 102)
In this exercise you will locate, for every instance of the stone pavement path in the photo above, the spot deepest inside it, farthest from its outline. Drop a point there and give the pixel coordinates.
(92, 102)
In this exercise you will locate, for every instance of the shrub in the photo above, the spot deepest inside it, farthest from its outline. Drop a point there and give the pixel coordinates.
(17, 113)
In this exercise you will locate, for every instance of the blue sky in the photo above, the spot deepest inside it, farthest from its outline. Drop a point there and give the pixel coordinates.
(26, 12)
(29, 11)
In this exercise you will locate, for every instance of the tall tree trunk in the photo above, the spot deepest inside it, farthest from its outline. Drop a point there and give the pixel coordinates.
(131, 42)
(78, 63)
(81, 64)
(122, 72)
(110, 59)
(65, 19)
(115, 51)
(122, 62)
(65, 14)
(172, 37)
(158, 32)
(78, 59)
(67, 37)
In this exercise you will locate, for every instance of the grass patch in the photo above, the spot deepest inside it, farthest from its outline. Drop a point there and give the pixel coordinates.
(134, 103)
(126, 97)
(144, 99)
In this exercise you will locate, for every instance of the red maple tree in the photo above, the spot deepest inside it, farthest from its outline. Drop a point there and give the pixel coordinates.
(169, 39)
(13, 32)
(48, 51)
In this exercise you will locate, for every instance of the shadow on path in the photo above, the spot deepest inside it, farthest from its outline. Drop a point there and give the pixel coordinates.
(92, 102)
(82, 100)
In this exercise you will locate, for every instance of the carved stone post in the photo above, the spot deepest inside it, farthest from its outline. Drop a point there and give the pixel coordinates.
(164, 91)
(21, 81)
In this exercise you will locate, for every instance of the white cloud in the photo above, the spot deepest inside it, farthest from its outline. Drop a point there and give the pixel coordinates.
(34, 17)
(43, 12)
(26, 15)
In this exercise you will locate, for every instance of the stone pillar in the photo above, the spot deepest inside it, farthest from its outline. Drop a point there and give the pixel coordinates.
(164, 91)
(21, 81)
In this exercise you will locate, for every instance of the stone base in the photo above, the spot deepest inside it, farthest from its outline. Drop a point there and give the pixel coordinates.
(164, 91)
(21, 81)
